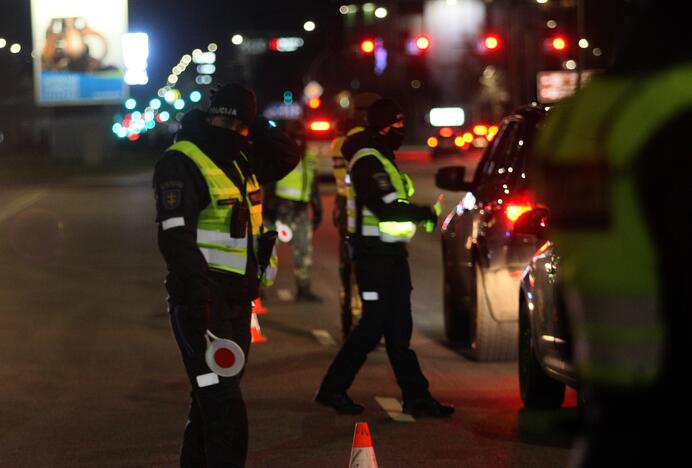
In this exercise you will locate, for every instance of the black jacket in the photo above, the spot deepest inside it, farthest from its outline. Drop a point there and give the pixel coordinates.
(371, 183)
(181, 192)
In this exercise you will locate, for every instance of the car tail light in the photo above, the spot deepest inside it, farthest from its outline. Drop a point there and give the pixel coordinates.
(433, 142)
(514, 211)
(480, 130)
(492, 132)
(320, 126)
(446, 132)
(468, 137)
(459, 142)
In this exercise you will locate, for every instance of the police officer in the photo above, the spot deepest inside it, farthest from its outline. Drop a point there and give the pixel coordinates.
(608, 166)
(209, 213)
(381, 220)
(353, 125)
(286, 208)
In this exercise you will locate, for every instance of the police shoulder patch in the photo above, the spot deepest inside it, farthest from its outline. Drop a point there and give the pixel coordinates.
(382, 180)
(171, 198)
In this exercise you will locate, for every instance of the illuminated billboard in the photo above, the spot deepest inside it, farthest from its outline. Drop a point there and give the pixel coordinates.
(78, 55)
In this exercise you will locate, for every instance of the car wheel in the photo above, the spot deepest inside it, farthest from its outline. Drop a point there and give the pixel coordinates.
(491, 340)
(455, 323)
(537, 389)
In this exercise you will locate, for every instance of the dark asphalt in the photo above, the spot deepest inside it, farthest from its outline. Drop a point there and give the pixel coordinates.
(91, 375)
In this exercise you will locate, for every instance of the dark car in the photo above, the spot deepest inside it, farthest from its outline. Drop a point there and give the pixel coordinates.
(482, 261)
(545, 341)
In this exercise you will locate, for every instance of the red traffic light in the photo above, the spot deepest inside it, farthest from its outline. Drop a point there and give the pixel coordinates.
(558, 43)
(491, 42)
(367, 46)
(423, 42)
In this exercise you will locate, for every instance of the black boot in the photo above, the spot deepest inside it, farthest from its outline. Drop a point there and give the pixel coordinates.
(305, 294)
(340, 401)
(427, 407)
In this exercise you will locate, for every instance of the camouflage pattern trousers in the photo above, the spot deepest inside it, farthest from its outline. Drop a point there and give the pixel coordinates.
(293, 222)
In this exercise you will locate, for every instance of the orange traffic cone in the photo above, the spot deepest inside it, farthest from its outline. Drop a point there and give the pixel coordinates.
(255, 331)
(258, 307)
(362, 453)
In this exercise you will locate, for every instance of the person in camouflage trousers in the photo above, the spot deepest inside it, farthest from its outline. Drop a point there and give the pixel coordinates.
(286, 211)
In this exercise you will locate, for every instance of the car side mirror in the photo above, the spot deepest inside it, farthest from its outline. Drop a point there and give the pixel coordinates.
(533, 223)
(452, 178)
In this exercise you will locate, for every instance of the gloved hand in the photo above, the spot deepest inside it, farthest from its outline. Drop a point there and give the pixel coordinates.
(435, 211)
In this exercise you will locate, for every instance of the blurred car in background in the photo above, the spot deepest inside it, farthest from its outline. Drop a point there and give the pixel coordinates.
(319, 132)
(483, 262)
(455, 140)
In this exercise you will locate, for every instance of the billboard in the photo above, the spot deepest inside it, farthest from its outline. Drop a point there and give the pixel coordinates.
(556, 85)
(78, 55)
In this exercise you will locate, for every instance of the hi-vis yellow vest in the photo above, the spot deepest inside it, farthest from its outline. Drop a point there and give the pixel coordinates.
(601, 131)
(297, 185)
(386, 231)
(223, 252)
(339, 167)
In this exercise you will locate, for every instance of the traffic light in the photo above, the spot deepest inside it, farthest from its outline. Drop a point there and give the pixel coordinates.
(417, 45)
(557, 43)
(367, 46)
(422, 42)
(491, 42)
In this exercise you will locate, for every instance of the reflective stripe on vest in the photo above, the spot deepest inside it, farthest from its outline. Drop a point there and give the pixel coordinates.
(297, 185)
(221, 251)
(371, 226)
(614, 119)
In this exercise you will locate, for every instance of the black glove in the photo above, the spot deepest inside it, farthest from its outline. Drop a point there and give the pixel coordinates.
(264, 249)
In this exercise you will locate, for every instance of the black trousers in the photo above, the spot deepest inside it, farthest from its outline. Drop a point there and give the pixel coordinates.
(345, 266)
(216, 433)
(385, 287)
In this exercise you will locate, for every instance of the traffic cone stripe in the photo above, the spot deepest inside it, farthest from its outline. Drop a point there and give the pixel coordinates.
(258, 307)
(362, 453)
(255, 331)
(361, 437)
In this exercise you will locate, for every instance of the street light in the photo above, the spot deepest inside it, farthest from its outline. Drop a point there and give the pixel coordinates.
(237, 39)
(381, 12)
(309, 26)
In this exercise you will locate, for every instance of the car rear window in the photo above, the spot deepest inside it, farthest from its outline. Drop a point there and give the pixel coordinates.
(505, 161)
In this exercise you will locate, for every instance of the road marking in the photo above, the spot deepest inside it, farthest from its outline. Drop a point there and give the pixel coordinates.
(20, 204)
(393, 408)
(324, 337)
(284, 295)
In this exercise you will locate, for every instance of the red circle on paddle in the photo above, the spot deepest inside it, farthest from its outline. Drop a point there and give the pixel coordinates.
(224, 357)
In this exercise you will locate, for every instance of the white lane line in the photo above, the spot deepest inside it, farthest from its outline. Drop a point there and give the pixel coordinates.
(19, 204)
(393, 408)
(324, 337)
(284, 295)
